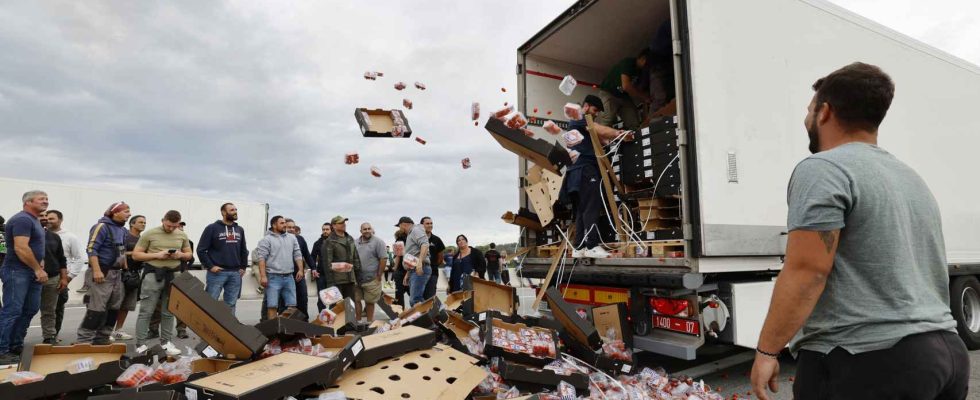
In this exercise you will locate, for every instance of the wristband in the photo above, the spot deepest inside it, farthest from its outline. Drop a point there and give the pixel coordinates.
(770, 355)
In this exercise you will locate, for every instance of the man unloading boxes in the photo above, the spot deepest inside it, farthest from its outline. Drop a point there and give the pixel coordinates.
(583, 181)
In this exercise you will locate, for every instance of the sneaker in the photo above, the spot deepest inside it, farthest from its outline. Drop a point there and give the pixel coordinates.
(120, 335)
(182, 335)
(51, 341)
(578, 253)
(102, 342)
(171, 349)
(596, 252)
(9, 358)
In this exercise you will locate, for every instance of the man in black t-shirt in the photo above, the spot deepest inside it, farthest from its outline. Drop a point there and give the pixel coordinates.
(493, 263)
(436, 247)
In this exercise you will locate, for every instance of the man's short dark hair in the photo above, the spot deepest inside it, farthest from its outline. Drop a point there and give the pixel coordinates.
(132, 220)
(422, 221)
(493, 245)
(172, 216)
(859, 95)
(61, 217)
(225, 205)
(325, 224)
(288, 220)
(274, 219)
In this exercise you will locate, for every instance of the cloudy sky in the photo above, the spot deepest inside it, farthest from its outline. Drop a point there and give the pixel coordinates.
(254, 100)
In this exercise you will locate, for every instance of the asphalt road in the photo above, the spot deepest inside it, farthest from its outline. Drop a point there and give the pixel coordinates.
(731, 380)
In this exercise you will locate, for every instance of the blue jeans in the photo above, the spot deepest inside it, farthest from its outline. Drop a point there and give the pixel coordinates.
(493, 275)
(416, 284)
(229, 281)
(21, 301)
(280, 286)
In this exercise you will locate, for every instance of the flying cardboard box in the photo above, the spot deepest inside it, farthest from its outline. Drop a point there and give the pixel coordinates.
(549, 156)
(380, 123)
(213, 320)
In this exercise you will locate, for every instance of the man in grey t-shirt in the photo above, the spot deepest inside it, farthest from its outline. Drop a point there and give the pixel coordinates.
(416, 244)
(864, 291)
(371, 250)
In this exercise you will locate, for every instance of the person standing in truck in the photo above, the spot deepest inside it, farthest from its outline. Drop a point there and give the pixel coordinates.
(863, 296)
(583, 181)
(224, 254)
(620, 94)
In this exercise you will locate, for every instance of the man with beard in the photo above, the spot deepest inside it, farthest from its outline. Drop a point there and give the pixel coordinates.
(137, 224)
(75, 256)
(278, 254)
(341, 247)
(317, 266)
(374, 257)
(56, 266)
(863, 296)
(22, 275)
(161, 250)
(224, 254)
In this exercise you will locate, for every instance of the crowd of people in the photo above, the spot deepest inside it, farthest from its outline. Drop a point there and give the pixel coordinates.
(124, 265)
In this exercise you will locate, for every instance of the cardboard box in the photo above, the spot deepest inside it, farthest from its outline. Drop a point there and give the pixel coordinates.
(346, 347)
(454, 301)
(439, 373)
(577, 328)
(291, 324)
(539, 151)
(492, 298)
(48, 360)
(455, 328)
(379, 122)
(156, 395)
(429, 310)
(534, 379)
(345, 321)
(490, 350)
(613, 318)
(388, 306)
(280, 375)
(213, 320)
(394, 343)
(199, 369)
(597, 358)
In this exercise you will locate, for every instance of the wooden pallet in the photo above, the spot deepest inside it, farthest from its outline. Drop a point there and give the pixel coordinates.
(659, 248)
(548, 251)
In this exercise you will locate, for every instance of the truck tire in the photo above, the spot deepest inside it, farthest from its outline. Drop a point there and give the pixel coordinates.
(964, 299)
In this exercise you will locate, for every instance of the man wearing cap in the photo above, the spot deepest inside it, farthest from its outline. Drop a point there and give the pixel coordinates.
(416, 244)
(583, 181)
(106, 259)
(340, 247)
(161, 249)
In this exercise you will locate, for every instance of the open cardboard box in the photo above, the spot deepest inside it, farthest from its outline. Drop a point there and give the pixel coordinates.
(490, 298)
(533, 379)
(454, 301)
(345, 321)
(213, 320)
(379, 122)
(394, 343)
(455, 328)
(490, 350)
(438, 373)
(388, 306)
(281, 375)
(577, 328)
(613, 318)
(199, 369)
(51, 361)
(129, 395)
(346, 348)
(546, 155)
(597, 358)
(429, 310)
(289, 324)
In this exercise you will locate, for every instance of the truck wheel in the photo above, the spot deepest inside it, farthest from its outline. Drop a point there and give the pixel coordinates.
(964, 298)
(641, 327)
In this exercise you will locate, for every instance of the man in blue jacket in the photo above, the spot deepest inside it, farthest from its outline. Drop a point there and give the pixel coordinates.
(106, 258)
(223, 252)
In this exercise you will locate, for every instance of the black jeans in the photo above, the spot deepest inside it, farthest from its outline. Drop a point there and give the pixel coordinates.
(587, 202)
(932, 365)
(400, 289)
(430, 286)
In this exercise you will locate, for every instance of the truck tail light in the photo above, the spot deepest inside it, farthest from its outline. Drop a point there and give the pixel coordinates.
(674, 307)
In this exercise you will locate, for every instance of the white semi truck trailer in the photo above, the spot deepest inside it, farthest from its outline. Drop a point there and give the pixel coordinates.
(743, 71)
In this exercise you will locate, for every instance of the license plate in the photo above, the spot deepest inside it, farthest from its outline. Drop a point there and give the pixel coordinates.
(675, 324)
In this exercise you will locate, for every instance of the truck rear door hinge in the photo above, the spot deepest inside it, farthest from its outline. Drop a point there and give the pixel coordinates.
(520, 68)
(682, 137)
(677, 47)
(688, 232)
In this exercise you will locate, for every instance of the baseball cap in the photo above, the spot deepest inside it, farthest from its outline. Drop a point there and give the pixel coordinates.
(338, 219)
(403, 220)
(594, 101)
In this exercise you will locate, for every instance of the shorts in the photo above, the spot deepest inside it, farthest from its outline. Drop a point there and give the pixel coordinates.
(280, 286)
(370, 292)
(130, 298)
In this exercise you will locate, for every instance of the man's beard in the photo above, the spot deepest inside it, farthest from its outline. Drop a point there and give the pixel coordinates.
(233, 217)
(814, 133)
